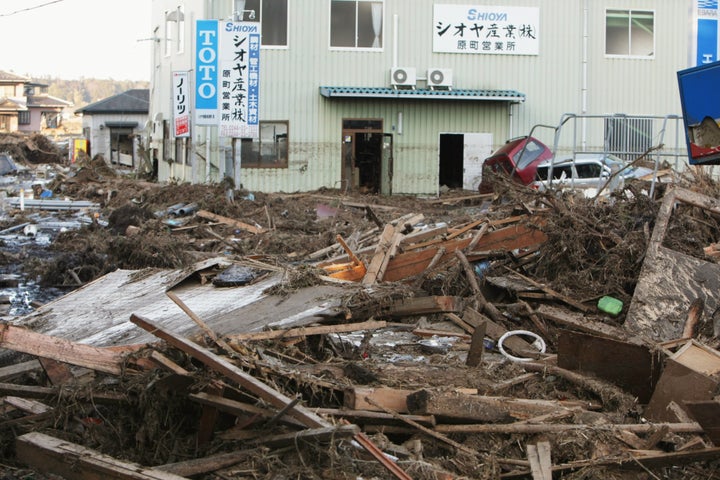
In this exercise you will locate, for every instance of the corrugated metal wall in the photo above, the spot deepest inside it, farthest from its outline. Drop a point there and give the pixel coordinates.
(571, 74)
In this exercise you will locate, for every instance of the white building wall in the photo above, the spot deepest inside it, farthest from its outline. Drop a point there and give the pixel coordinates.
(571, 74)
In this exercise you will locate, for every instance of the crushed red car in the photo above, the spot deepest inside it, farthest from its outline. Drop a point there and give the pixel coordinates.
(518, 158)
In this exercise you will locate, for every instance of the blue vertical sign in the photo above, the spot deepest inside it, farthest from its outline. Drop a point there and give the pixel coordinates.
(206, 72)
(707, 32)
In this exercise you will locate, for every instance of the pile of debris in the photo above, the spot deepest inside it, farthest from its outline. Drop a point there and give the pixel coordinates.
(320, 335)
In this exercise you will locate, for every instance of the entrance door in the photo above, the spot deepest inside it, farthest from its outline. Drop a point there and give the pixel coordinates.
(366, 165)
(461, 156)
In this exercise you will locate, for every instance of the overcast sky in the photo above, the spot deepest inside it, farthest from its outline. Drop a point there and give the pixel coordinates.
(71, 39)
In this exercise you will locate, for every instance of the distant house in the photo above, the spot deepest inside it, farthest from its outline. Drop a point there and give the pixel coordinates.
(113, 126)
(25, 105)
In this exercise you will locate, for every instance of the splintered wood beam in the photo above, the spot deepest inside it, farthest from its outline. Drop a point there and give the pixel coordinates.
(393, 398)
(197, 466)
(510, 238)
(236, 408)
(425, 305)
(229, 221)
(26, 341)
(74, 462)
(26, 391)
(305, 331)
(12, 371)
(312, 435)
(540, 461)
(376, 263)
(220, 364)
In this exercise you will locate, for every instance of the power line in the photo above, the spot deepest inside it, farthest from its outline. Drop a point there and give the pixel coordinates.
(30, 8)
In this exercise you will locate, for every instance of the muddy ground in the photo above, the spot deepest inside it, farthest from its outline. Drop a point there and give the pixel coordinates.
(594, 248)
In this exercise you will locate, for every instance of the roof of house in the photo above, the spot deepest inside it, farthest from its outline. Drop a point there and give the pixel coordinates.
(130, 101)
(46, 101)
(8, 77)
(11, 105)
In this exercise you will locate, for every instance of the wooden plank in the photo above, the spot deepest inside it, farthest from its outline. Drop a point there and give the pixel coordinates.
(425, 305)
(477, 346)
(164, 362)
(392, 398)
(374, 416)
(74, 462)
(674, 459)
(707, 414)
(376, 263)
(26, 405)
(195, 467)
(423, 235)
(679, 384)
(305, 331)
(46, 392)
(58, 372)
(12, 371)
(573, 303)
(583, 324)
(478, 408)
(229, 221)
(540, 461)
(238, 408)
(495, 331)
(26, 341)
(636, 368)
(314, 435)
(223, 366)
(509, 238)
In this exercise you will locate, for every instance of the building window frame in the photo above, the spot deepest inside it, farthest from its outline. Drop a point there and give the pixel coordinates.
(24, 117)
(274, 27)
(629, 33)
(269, 150)
(368, 18)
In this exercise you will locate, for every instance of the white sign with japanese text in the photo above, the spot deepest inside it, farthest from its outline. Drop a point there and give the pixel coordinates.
(239, 82)
(486, 29)
(181, 104)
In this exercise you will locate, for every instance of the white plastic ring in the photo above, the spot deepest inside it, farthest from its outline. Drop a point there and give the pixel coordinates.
(539, 343)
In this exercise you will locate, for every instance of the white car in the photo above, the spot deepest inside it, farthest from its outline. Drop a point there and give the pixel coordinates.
(586, 171)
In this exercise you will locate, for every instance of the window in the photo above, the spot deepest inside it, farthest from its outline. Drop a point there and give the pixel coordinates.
(270, 150)
(356, 23)
(630, 33)
(170, 26)
(24, 117)
(628, 138)
(180, 30)
(273, 18)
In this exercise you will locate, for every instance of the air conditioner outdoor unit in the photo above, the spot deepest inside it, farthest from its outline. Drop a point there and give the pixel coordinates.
(403, 77)
(440, 78)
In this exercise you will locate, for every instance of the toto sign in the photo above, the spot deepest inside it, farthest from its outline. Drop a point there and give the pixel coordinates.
(206, 72)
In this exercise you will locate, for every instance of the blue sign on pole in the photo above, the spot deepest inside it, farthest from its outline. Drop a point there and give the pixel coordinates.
(700, 101)
(206, 72)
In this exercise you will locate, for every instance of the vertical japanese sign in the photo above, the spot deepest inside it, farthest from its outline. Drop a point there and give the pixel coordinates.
(206, 72)
(485, 29)
(239, 79)
(707, 32)
(181, 104)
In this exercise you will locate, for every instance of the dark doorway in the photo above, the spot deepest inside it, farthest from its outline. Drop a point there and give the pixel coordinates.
(362, 167)
(451, 160)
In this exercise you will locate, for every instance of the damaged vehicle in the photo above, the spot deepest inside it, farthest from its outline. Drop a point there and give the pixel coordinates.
(518, 158)
(590, 172)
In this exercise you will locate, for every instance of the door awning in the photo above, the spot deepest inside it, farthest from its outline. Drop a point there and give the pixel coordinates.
(121, 124)
(511, 96)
